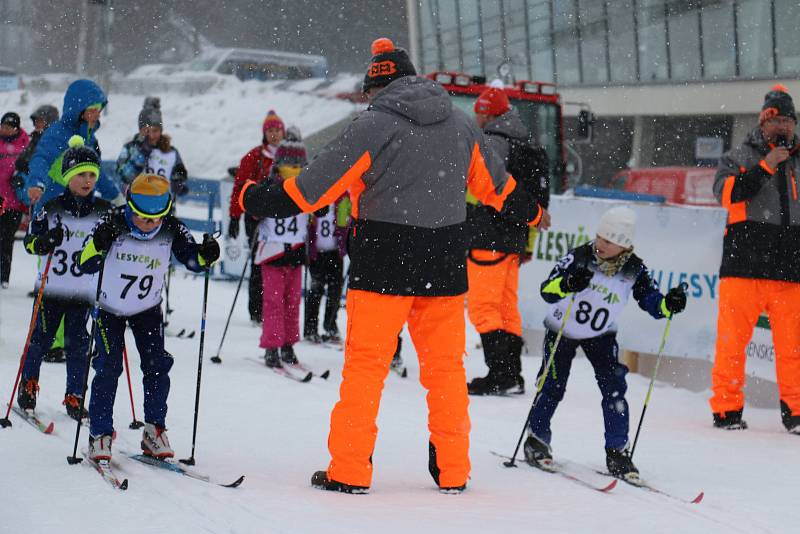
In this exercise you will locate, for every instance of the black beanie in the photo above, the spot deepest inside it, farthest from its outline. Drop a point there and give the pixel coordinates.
(777, 103)
(387, 65)
(77, 159)
(12, 119)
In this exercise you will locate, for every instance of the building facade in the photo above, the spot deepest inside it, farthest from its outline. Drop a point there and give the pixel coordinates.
(663, 76)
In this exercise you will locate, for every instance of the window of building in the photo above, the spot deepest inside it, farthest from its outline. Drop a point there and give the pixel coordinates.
(429, 47)
(754, 29)
(719, 50)
(787, 13)
(540, 40)
(565, 41)
(652, 40)
(593, 41)
(683, 22)
(449, 26)
(622, 40)
(470, 36)
(516, 36)
(492, 35)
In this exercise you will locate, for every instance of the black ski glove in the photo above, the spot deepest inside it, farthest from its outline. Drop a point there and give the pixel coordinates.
(577, 280)
(104, 236)
(233, 228)
(675, 301)
(208, 250)
(48, 241)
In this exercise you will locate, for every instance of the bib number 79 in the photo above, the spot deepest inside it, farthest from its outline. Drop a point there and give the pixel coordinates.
(145, 284)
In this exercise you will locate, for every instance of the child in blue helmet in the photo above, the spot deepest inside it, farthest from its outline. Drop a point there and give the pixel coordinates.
(60, 228)
(133, 243)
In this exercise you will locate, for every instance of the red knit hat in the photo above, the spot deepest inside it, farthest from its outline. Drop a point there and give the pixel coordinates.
(273, 121)
(493, 101)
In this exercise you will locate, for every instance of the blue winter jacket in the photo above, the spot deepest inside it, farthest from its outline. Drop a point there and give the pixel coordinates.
(45, 165)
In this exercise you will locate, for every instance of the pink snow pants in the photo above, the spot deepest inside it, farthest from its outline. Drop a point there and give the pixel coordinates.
(281, 306)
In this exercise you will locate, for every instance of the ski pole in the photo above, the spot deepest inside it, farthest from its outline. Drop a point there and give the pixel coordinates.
(217, 359)
(6, 422)
(72, 460)
(135, 424)
(540, 381)
(683, 286)
(190, 460)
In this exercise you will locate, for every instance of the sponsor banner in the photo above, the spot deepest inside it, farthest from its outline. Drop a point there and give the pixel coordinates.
(677, 244)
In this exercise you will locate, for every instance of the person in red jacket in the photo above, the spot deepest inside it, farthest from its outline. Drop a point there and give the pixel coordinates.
(13, 140)
(255, 166)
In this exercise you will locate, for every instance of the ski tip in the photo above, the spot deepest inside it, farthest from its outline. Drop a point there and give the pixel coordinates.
(123, 485)
(325, 374)
(235, 484)
(50, 428)
(699, 498)
(610, 487)
(308, 377)
(182, 332)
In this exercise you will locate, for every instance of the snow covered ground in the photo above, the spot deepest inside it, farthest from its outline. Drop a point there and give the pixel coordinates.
(274, 431)
(213, 130)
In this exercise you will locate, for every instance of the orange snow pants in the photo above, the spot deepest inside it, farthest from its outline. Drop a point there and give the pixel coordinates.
(741, 301)
(492, 298)
(436, 325)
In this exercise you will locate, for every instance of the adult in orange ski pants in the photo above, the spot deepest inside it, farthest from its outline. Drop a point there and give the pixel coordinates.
(741, 301)
(436, 325)
(492, 298)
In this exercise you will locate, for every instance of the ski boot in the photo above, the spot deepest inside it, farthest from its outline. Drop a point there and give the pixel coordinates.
(73, 405)
(155, 442)
(321, 481)
(100, 448)
(791, 422)
(496, 384)
(272, 358)
(730, 420)
(26, 396)
(288, 355)
(55, 355)
(332, 337)
(620, 465)
(538, 453)
(433, 469)
(312, 337)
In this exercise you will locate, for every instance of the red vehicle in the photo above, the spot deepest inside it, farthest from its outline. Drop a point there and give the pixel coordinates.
(539, 106)
(679, 185)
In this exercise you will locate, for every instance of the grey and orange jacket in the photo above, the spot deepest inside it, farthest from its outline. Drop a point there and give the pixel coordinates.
(407, 162)
(762, 237)
(493, 230)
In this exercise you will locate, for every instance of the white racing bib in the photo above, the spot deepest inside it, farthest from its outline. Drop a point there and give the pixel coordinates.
(596, 308)
(161, 163)
(65, 279)
(325, 239)
(274, 234)
(133, 275)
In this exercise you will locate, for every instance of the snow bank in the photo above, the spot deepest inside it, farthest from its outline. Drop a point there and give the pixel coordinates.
(212, 130)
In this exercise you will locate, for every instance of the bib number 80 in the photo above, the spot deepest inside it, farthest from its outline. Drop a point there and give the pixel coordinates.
(597, 321)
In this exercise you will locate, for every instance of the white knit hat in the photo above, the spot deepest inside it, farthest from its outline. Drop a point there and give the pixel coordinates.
(618, 225)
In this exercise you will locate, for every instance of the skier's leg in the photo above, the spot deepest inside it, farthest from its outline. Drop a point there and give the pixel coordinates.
(334, 281)
(43, 334)
(110, 340)
(148, 332)
(292, 293)
(555, 384)
(272, 329)
(76, 345)
(313, 299)
(373, 321)
(436, 326)
(603, 353)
